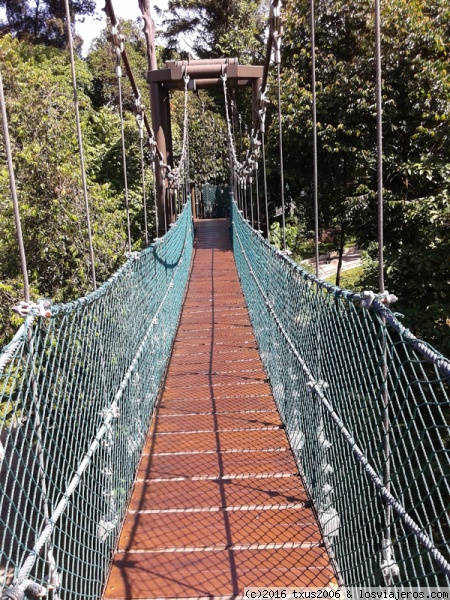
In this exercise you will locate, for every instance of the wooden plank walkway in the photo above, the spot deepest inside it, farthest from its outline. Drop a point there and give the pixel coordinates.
(217, 505)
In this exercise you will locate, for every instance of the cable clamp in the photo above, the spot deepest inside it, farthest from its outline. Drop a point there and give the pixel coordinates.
(112, 411)
(317, 387)
(367, 299)
(387, 298)
(388, 565)
(27, 587)
(133, 255)
(41, 308)
(277, 49)
(117, 38)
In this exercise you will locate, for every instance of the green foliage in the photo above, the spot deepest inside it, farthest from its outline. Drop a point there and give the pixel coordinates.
(351, 279)
(416, 103)
(208, 154)
(217, 28)
(45, 152)
(42, 22)
(101, 61)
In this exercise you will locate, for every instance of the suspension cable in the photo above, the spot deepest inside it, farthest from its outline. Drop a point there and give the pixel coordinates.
(140, 113)
(80, 143)
(122, 130)
(280, 138)
(379, 147)
(13, 188)
(263, 135)
(314, 115)
(257, 197)
(387, 548)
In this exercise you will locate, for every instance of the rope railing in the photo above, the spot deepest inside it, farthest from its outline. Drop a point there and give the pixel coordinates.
(330, 393)
(83, 377)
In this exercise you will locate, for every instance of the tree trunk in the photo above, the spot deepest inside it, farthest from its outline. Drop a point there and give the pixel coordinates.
(159, 104)
(149, 32)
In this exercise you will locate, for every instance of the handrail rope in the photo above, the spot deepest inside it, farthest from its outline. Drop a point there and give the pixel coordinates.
(80, 142)
(318, 388)
(13, 188)
(109, 414)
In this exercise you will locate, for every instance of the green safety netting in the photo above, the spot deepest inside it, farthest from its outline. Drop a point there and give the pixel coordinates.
(215, 200)
(366, 408)
(77, 391)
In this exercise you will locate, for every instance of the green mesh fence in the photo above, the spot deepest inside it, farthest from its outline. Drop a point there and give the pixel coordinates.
(216, 201)
(366, 408)
(76, 397)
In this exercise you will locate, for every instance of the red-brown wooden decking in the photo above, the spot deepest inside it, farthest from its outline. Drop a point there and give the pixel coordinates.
(217, 505)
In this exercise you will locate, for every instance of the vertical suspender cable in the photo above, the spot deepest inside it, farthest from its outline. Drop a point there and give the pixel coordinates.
(140, 123)
(250, 181)
(80, 142)
(257, 197)
(379, 147)
(314, 115)
(280, 136)
(388, 565)
(26, 287)
(265, 184)
(124, 156)
(153, 147)
(12, 186)
(118, 47)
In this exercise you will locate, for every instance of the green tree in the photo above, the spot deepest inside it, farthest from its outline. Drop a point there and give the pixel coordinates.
(416, 96)
(217, 28)
(42, 21)
(42, 128)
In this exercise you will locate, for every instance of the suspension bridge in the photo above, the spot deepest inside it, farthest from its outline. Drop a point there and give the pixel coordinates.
(215, 418)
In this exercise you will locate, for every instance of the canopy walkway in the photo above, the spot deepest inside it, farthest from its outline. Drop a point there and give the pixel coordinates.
(215, 417)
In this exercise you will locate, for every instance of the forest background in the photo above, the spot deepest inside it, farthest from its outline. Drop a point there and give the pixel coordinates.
(35, 66)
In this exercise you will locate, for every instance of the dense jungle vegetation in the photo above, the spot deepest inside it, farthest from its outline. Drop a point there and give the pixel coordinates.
(416, 96)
